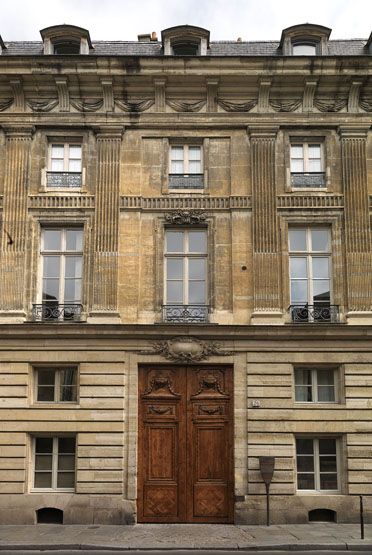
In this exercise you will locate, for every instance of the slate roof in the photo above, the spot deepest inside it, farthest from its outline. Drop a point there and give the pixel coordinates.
(351, 47)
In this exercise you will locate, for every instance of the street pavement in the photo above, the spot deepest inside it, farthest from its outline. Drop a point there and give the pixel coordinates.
(161, 537)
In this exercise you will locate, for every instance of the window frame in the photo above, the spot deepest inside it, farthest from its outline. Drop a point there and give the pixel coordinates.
(305, 144)
(305, 42)
(57, 370)
(185, 256)
(66, 158)
(314, 383)
(186, 145)
(54, 454)
(316, 457)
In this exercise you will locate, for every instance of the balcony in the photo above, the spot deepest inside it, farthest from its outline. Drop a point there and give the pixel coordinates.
(186, 181)
(54, 312)
(321, 313)
(308, 180)
(185, 314)
(64, 180)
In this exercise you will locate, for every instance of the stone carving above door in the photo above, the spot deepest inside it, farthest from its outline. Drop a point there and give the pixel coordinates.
(187, 349)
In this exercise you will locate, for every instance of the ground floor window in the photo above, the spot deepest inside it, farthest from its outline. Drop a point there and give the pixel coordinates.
(54, 463)
(317, 464)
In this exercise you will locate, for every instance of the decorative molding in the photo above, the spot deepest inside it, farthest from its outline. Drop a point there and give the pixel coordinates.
(159, 91)
(39, 202)
(42, 105)
(212, 93)
(5, 104)
(308, 95)
(185, 217)
(18, 92)
(236, 106)
(87, 105)
(63, 93)
(209, 385)
(330, 105)
(193, 203)
(108, 95)
(353, 100)
(310, 201)
(187, 349)
(264, 95)
(365, 104)
(140, 106)
(285, 106)
(159, 383)
(179, 106)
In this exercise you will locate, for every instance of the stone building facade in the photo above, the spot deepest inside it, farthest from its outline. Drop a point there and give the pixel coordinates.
(186, 277)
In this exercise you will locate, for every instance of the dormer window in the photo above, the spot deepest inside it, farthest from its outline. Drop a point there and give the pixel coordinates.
(66, 40)
(185, 40)
(304, 49)
(68, 47)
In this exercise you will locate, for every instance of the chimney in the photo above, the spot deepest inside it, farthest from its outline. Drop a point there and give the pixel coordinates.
(239, 39)
(144, 38)
(154, 38)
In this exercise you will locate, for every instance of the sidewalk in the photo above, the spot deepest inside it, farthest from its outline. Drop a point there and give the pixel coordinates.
(186, 536)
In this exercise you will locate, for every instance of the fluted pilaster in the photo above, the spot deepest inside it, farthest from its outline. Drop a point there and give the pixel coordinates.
(14, 228)
(356, 221)
(106, 223)
(266, 260)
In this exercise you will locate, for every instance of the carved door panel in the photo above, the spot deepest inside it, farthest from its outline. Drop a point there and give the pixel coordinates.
(185, 457)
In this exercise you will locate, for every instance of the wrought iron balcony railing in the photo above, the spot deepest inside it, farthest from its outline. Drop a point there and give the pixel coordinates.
(321, 313)
(54, 312)
(64, 180)
(309, 179)
(186, 181)
(186, 313)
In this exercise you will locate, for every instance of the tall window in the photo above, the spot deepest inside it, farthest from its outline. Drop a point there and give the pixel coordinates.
(316, 385)
(64, 167)
(317, 464)
(56, 385)
(186, 275)
(54, 463)
(62, 270)
(185, 167)
(310, 274)
(307, 165)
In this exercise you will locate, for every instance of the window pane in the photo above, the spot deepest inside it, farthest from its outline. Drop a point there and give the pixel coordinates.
(58, 151)
(68, 393)
(304, 446)
(328, 481)
(297, 151)
(177, 152)
(299, 292)
(43, 480)
(320, 267)
(194, 152)
(75, 151)
(175, 292)
(305, 463)
(51, 266)
(314, 166)
(66, 480)
(74, 166)
(174, 241)
(197, 268)
(176, 166)
(326, 394)
(304, 50)
(321, 291)
(297, 240)
(197, 241)
(66, 462)
(57, 166)
(43, 462)
(327, 464)
(327, 446)
(45, 393)
(74, 265)
(72, 291)
(52, 239)
(314, 151)
(45, 377)
(44, 445)
(50, 289)
(303, 393)
(174, 268)
(303, 376)
(298, 267)
(325, 376)
(66, 445)
(196, 292)
(297, 166)
(194, 167)
(74, 239)
(320, 240)
(305, 481)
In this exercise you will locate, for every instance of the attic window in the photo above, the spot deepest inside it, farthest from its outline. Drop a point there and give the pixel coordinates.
(66, 47)
(185, 48)
(304, 48)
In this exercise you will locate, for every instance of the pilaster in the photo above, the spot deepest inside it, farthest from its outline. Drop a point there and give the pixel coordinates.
(13, 241)
(106, 227)
(159, 90)
(212, 93)
(356, 224)
(108, 95)
(266, 259)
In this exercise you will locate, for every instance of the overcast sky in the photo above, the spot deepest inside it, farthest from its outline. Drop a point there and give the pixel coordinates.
(226, 20)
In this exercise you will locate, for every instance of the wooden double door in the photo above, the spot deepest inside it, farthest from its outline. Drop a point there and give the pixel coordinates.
(185, 458)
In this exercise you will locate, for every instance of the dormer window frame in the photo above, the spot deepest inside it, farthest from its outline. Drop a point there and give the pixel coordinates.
(195, 38)
(68, 35)
(306, 34)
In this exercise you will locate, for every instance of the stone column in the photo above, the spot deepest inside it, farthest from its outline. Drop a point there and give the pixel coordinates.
(357, 228)
(13, 241)
(106, 227)
(265, 234)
